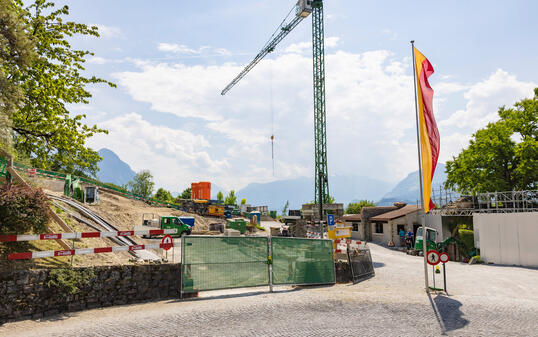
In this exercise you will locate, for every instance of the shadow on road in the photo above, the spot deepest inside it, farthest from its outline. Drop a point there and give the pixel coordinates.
(235, 295)
(448, 313)
(378, 264)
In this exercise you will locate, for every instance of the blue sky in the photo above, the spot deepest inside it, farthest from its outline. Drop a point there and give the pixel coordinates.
(171, 59)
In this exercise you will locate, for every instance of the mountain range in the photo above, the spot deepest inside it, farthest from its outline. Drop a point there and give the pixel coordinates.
(407, 190)
(274, 194)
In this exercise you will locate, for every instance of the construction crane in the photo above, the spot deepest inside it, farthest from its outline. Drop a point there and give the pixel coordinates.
(303, 9)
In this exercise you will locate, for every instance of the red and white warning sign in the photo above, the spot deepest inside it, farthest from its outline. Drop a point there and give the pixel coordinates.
(433, 257)
(444, 258)
(167, 242)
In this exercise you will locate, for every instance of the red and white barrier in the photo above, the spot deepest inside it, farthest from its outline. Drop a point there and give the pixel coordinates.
(82, 235)
(84, 251)
(315, 235)
(341, 245)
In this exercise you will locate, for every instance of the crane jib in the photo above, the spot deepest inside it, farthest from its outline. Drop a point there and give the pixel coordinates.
(268, 48)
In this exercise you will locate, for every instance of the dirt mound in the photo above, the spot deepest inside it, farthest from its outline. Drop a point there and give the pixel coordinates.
(126, 213)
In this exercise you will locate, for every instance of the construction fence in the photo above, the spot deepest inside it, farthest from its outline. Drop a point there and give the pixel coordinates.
(211, 263)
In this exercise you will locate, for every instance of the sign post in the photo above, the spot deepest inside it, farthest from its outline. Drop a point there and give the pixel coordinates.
(169, 242)
(433, 259)
(444, 259)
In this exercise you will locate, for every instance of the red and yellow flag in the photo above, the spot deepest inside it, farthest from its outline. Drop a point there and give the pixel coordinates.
(429, 134)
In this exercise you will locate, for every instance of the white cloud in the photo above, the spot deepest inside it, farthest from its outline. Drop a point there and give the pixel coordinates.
(301, 47)
(370, 112)
(484, 99)
(97, 60)
(109, 32)
(186, 50)
(173, 156)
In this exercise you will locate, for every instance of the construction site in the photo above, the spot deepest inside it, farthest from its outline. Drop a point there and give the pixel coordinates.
(458, 261)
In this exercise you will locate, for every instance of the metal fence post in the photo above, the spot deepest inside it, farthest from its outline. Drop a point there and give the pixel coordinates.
(182, 268)
(270, 262)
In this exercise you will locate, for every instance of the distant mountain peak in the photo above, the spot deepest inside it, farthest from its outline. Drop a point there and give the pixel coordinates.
(112, 169)
(407, 190)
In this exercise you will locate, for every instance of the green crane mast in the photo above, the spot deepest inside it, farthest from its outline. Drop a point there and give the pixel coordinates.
(304, 8)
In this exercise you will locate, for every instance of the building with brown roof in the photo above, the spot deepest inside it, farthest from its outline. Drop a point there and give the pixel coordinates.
(385, 227)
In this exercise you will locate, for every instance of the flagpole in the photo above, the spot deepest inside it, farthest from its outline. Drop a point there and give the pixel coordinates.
(423, 218)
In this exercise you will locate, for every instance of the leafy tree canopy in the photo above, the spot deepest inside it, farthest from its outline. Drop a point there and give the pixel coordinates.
(43, 127)
(186, 194)
(285, 208)
(355, 207)
(231, 199)
(243, 201)
(16, 54)
(503, 156)
(142, 184)
(220, 196)
(163, 195)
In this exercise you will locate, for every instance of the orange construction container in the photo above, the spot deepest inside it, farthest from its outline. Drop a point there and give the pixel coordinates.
(205, 190)
(201, 190)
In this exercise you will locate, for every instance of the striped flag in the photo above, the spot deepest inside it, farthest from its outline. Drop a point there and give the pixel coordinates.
(429, 134)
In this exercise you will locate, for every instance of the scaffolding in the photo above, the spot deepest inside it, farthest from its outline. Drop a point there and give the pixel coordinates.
(490, 202)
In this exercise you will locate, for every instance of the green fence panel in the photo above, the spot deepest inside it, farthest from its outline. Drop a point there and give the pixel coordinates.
(211, 263)
(3, 167)
(302, 261)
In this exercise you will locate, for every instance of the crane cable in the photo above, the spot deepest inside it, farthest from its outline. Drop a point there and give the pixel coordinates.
(272, 115)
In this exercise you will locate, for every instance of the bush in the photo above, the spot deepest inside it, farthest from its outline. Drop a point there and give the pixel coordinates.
(23, 209)
(69, 280)
(467, 237)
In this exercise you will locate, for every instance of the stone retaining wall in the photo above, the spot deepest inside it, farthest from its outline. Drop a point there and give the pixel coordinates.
(25, 294)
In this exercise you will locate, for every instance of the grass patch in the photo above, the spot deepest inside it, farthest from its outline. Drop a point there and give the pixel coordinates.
(69, 280)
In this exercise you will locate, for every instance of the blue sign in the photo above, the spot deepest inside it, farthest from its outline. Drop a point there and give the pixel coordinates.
(330, 219)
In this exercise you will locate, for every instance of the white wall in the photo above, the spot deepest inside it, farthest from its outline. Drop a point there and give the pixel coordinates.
(507, 238)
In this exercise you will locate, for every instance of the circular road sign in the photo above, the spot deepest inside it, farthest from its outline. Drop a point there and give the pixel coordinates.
(167, 240)
(443, 257)
(433, 257)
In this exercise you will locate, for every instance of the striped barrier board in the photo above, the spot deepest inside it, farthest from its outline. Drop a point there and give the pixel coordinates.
(64, 236)
(315, 235)
(341, 245)
(84, 251)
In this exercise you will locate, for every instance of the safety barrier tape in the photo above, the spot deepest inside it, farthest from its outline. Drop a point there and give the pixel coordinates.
(84, 251)
(82, 235)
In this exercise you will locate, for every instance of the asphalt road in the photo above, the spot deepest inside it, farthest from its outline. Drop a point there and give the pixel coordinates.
(482, 301)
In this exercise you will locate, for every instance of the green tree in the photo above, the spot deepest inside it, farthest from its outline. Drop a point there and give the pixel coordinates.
(231, 198)
(503, 156)
(163, 195)
(142, 184)
(186, 194)
(285, 208)
(220, 196)
(23, 210)
(243, 201)
(355, 207)
(44, 128)
(16, 54)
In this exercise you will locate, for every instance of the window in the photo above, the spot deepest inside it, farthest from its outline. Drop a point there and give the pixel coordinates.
(431, 235)
(379, 227)
(355, 226)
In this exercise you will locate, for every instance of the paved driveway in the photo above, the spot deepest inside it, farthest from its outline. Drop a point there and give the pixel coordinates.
(483, 301)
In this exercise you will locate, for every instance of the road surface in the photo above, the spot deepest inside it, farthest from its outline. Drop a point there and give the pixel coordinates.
(483, 300)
